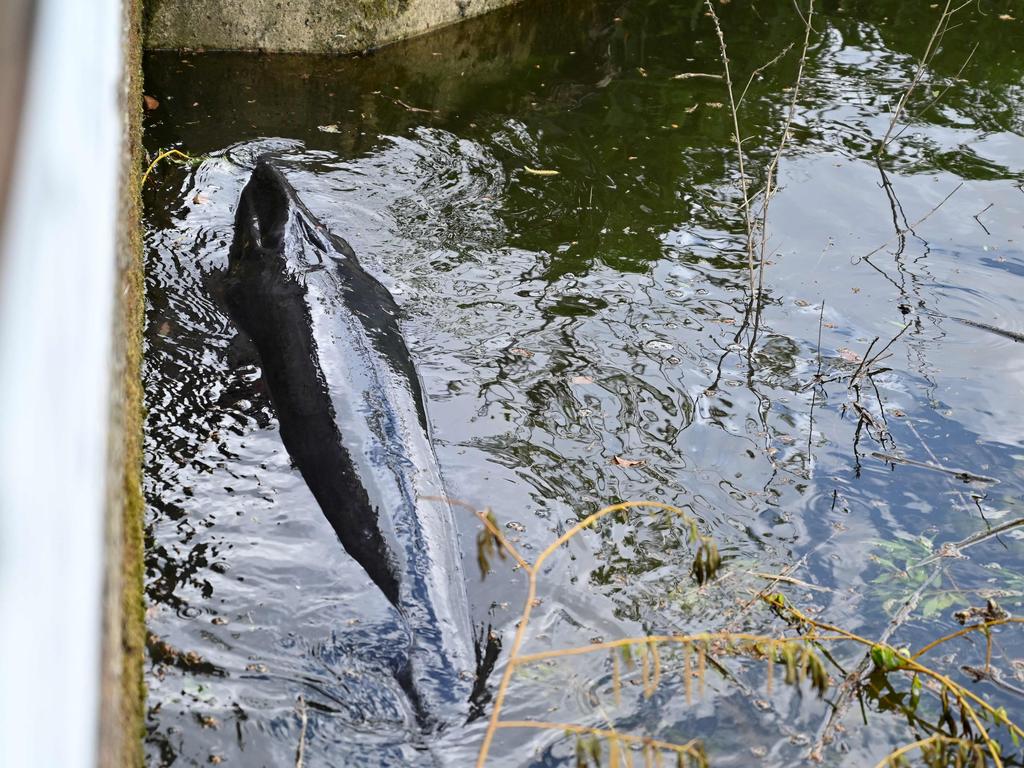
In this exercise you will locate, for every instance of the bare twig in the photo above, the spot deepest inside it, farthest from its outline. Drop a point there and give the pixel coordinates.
(744, 185)
(959, 474)
(814, 390)
(970, 541)
(770, 178)
(304, 718)
(929, 53)
(774, 60)
(975, 217)
(689, 75)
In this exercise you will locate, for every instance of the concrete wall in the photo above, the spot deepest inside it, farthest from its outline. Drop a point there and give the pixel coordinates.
(307, 26)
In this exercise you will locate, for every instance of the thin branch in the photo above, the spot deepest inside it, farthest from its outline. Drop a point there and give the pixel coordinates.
(748, 223)
(940, 30)
(304, 718)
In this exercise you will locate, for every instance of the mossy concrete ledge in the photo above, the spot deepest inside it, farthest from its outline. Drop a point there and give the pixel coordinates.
(122, 689)
(303, 26)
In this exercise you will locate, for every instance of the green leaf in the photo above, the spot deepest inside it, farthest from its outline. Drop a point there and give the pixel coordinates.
(885, 658)
(915, 693)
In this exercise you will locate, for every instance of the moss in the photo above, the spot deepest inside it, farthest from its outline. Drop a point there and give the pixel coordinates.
(124, 728)
(381, 10)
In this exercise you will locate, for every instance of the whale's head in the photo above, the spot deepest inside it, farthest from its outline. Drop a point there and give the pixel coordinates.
(272, 224)
(262, 216)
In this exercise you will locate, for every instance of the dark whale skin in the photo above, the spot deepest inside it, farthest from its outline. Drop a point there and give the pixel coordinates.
(351, 415)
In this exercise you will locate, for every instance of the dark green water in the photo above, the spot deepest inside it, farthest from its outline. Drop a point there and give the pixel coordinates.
(561, 321)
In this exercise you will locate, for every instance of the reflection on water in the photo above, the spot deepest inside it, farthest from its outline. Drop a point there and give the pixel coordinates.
(559, 322)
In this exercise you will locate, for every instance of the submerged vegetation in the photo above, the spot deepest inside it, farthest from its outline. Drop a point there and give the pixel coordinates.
(952, 726)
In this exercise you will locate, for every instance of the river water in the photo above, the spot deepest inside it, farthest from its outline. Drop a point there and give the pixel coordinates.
(587, 337)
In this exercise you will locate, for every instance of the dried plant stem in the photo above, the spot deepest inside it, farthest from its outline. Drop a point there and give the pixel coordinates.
(532, 570)
(798, 653)
(929, 53)
(702, 638)
(645, 741)
(964, 697)
(304, 720)
(770, 187)
(980, 627)
(744, 185)
(936, 738)
(160, 157)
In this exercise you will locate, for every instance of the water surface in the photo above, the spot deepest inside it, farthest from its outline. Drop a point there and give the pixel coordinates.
(560, 322)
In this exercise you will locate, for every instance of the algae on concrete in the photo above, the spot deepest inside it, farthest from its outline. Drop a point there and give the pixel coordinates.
(306, 26)
(122, 686)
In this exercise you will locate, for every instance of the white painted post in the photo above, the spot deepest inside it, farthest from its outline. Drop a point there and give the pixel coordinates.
(57, 282)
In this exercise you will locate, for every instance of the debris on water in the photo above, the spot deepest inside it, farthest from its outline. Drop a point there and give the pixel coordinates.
(520, 352)
(622, 461)
(540, 171)
(991, 611)
(688, 75)
(150, 103)
(581, 380)
(411, 108)
(332, 128)
(848, 355)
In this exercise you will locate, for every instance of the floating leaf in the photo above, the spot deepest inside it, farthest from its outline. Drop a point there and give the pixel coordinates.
(150, 103)
(539, 171)
(848, 355)
(622, 461)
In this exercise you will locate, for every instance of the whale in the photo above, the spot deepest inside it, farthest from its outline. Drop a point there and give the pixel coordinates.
(351, 414)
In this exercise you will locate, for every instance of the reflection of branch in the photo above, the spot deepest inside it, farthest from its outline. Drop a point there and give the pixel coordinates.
(896, 207)
(914, 225)
(975, 217)
(864, 417)
(814, 391)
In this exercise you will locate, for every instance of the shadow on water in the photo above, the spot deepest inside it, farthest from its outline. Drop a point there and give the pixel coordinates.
(584, 338)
